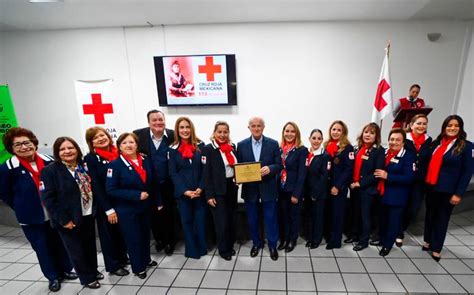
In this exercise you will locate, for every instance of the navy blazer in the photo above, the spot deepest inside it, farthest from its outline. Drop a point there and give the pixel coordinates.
(422, 157)
(401, 174)
(61, 195)
(374, 158)
(266, 189)
(125, 186)
(186, 174)
(295, 171)
(214, 170)
(317, 176)
(96, 167)
(158, 158)
(342, 167)
(19, 191)
(456, 170)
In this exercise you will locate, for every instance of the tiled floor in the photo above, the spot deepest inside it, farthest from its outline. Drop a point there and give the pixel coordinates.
(406, 270)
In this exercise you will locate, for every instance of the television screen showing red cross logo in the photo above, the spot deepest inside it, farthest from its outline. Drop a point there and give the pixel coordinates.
(196, 80)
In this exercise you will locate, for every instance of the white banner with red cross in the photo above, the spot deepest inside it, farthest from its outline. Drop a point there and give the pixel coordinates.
(97, 104)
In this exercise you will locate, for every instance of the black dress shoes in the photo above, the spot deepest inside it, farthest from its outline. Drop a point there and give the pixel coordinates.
(424, 248)
(399, 242)
(384, 252)
(290, 246)
(273, 254)
(329, 247)
(232, 252)
(54, 285)
(93, 285)
(435, 258)
(70, 275)
(120, 272)
(349, 240)
(158, 246)
(308, 244)
(375, 243)
(314, 245)
(227, 257)
(152, 263)
(282, 245)
(141, 275)
(254, 251)
(99, 276)
(169, 249)
(359, 247)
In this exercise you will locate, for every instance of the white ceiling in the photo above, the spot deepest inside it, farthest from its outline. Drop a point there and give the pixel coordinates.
(69, 14)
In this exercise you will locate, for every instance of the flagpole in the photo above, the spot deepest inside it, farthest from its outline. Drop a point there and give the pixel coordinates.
(388, 56)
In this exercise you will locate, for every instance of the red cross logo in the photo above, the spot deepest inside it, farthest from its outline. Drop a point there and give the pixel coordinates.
(97, 108)
(210, 68)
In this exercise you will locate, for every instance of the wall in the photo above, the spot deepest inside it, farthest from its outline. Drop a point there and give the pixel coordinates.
(312, 73)
(466, 105)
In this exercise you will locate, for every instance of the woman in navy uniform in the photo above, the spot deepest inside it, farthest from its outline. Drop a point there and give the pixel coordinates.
(19, 184)
(101, 153)
(418, 143)
(369, 156)
(316, 182)
(185, 168)
(342, 164)
(67, 195)
(449, 173)
(220, 188)
(394, 186)
(291, 184)
(130, 184)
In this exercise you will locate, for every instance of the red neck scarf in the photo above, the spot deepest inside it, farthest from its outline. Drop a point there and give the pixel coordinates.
(358, 163)
(437, 161)
(137, 167)
(332, 148)
(389, 156)
(109, 155)
(226, 148)
(39, 165)
(418, 140)
(285, 149)
(186, 150)
(309, 158)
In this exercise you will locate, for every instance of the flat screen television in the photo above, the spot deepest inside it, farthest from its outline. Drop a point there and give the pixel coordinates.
(196, 80)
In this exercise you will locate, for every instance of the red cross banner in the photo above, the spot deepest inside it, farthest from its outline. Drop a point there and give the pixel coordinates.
(383, 97)
(96, 104)
(196, 79)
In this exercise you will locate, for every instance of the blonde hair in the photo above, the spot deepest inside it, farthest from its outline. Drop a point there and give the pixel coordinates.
(413, 120)
(344, 140)
(298, 142)
(219, 123)
(194, 140)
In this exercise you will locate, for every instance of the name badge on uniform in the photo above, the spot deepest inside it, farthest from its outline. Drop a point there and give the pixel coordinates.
(328, 167)
(365, 157)
(23, 172)
(394, 161)
(414, 167)
(85, 167)
(351, 155)
(168, 155)
(203, 160)
(109, 172)
(41, 186)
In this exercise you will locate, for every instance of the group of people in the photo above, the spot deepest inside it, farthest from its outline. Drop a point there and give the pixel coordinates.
(133, 188)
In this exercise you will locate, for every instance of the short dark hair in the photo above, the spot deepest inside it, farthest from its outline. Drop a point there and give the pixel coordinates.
(400, 131)
(153, 112)
(125, 135)
(415, 86)
(14, 132)
(59, 141)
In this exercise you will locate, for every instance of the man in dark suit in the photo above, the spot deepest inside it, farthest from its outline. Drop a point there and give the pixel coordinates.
(259, 148)
(154, 141)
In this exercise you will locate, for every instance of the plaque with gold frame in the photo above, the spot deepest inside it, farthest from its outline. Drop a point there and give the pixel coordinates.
(248, 172)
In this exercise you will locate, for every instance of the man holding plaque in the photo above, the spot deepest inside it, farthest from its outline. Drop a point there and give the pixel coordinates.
(265, 151)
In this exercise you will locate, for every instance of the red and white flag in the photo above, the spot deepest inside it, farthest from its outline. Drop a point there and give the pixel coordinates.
(383, 104)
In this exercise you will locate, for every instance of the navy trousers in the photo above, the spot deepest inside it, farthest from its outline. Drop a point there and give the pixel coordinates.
(135, 228)
(362, 216)
(289, 217)
(112, 244)
(80, 245)
(438, 213)
(390, 224)
(224, 216)
(164, 234)
(193, 219)
(52, 256)
(270, 217)
(337, 206)
(317, 220)
(414, 203)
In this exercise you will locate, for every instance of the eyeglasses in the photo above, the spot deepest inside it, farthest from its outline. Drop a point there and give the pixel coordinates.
(18, 145)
